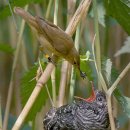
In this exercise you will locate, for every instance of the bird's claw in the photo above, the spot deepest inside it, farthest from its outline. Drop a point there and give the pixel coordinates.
(49, 59)
(53, 60)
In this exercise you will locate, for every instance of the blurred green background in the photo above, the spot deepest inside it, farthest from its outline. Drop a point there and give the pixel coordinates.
(19, 58)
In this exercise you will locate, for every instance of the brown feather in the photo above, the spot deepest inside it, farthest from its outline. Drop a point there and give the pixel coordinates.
(62, 42)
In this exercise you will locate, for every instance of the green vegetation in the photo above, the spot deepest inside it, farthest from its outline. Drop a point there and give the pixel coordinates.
(102, 39)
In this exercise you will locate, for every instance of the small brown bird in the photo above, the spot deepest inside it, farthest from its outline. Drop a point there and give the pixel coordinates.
(54, 41)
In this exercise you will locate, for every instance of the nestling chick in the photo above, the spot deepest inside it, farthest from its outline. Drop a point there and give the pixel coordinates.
(82, 114)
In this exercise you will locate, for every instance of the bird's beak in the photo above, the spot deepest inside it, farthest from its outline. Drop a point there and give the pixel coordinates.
(26, 16)
(82, 74)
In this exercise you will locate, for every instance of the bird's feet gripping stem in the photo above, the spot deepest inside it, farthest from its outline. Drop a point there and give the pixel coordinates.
(53, 59)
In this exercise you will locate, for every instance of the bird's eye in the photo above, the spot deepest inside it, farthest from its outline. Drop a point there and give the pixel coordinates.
(99, 99)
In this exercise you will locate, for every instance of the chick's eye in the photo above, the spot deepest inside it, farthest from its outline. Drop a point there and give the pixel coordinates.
(99, 99)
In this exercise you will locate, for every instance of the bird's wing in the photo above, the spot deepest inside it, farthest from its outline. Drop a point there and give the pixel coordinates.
(66, 115)
(62, 42)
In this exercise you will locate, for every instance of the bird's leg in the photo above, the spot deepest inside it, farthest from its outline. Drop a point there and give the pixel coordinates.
(53, 59)
(46, 55)
(49, 59)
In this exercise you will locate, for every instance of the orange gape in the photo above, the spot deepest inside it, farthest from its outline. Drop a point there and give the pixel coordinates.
(91, 98)
(79, 115)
